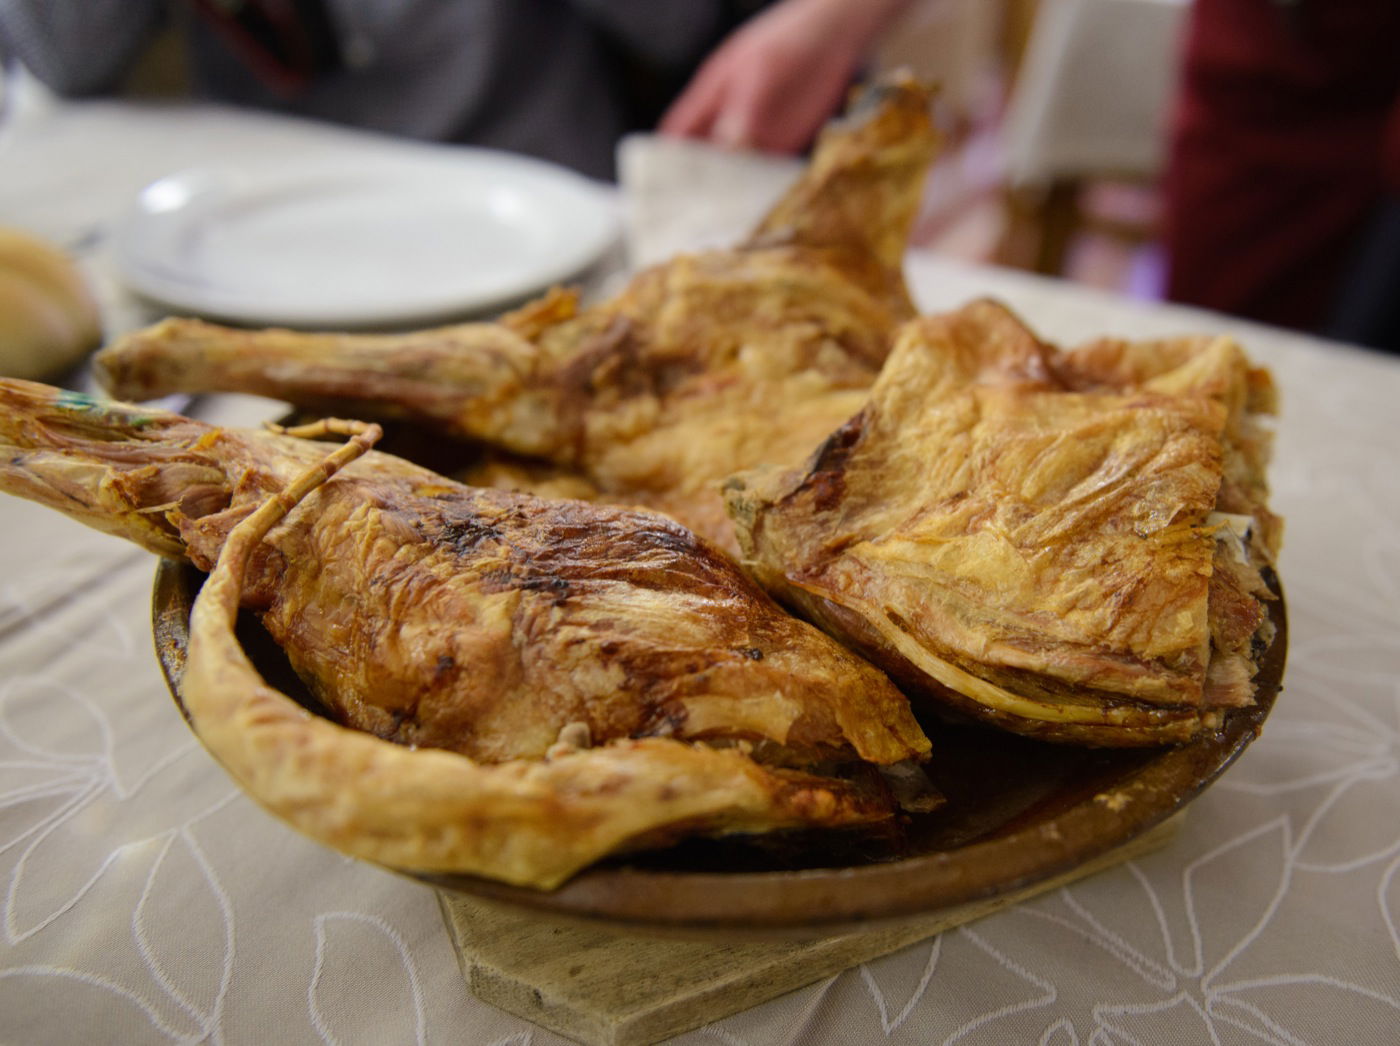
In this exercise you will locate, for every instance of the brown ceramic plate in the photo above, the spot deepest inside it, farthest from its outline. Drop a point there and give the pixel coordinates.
(1018, 812)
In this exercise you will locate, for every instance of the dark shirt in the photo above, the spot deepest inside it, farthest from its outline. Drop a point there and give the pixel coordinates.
(558, 79)
(1286, 114)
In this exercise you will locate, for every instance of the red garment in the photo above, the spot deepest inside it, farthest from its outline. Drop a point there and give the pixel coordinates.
(286, 43)
(1286, 130)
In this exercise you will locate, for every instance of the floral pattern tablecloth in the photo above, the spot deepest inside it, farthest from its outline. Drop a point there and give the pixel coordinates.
(144, 899)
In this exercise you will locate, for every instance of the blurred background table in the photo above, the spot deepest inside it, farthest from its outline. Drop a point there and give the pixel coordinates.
(144, 899)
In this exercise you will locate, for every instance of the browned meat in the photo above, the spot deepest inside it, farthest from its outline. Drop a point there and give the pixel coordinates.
(710, 363)
(491, 625)
(1030, 537)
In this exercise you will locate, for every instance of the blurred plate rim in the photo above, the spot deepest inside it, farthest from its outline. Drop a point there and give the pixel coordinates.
(151, 257)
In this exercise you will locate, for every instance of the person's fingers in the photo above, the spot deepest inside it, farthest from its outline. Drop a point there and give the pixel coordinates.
(763, 90)
(693, 113)
(795, 123)
(732, 128)
(743, 109)
(779, 105)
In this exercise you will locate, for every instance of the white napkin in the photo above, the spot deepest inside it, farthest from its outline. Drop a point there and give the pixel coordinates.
(682, 195)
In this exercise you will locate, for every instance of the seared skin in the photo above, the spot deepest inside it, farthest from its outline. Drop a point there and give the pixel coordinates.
(565, 680)
(526, 821)
(1026, 535)
(483, 622)
(708, 364)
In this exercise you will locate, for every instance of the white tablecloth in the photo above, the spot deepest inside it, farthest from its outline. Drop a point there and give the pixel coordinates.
(143, 899)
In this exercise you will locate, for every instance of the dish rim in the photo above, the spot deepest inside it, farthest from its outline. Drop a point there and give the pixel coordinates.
(855, 895)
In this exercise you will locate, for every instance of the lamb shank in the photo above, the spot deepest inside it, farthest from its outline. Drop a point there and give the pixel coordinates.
(593, 678)
(710, 363)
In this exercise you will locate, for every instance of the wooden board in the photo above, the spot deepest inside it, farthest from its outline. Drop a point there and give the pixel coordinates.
(608, 987)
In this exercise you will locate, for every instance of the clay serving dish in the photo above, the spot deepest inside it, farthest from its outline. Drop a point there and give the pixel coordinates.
(1018, 812)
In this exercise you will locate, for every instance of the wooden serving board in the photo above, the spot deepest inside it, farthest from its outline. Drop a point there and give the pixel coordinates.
(620, 987)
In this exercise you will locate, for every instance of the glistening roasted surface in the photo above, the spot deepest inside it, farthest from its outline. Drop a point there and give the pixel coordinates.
(492, 626)
(1037, 538)
(708, 364)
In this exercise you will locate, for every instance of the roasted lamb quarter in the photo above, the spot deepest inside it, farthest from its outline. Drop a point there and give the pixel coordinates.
(710, 363)
(1073, 545)
(518, 687)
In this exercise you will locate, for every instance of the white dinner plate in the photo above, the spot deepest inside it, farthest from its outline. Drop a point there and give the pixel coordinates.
(386, 243)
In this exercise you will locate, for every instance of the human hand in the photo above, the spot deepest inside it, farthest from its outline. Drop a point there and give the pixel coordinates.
(774, 81)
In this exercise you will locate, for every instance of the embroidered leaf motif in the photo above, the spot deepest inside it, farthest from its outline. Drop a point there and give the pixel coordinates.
(183, 926)
(346, 1005)
(54, 1004)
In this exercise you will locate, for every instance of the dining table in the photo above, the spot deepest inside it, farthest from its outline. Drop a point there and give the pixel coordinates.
(145, 899)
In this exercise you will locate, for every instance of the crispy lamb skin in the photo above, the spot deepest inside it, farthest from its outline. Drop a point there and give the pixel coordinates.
(468, 636)
(1041, 540)
(701, 366)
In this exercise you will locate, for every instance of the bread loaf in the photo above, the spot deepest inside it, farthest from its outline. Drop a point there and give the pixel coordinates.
(48, 316)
